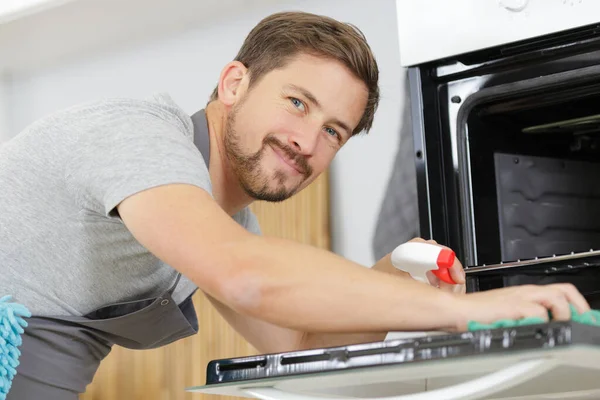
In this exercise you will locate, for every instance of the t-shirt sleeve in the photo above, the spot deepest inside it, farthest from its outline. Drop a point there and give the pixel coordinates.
(114, 160)
(251, 223)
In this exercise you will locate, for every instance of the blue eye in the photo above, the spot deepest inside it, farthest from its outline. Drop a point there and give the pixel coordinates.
(297, 103)
(332, 132)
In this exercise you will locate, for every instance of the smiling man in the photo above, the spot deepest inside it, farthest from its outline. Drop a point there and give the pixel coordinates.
(115, 212)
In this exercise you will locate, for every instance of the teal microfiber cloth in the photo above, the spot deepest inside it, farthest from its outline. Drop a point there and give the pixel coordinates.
(12, 323)
(591, 317)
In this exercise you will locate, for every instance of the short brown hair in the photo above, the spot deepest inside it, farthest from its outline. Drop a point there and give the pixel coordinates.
(279, 37)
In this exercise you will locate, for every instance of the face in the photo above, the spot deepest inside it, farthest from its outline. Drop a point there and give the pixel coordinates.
(285, 130)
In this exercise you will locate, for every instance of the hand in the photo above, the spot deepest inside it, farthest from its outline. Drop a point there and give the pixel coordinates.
(456, 271)
(520, 302)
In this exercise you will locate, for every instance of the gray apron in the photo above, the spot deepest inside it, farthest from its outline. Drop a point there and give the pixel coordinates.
(60, 355)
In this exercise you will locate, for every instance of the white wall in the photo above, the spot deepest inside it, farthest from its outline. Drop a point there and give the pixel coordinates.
(187, 66)
(5, 124)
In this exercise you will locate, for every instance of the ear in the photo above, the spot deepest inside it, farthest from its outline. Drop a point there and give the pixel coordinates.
(231, 82)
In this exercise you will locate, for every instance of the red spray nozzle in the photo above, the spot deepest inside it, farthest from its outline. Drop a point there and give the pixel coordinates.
(445, 260)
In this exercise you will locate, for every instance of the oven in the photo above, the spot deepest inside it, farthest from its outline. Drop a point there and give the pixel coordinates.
(507, 156)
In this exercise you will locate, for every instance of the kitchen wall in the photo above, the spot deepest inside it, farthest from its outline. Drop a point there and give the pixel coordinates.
(5, 125)
(187, 66)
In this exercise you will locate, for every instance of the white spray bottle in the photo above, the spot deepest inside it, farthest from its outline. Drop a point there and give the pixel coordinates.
(417, 258)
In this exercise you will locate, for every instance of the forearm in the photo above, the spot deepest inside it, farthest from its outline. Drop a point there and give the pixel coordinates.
(311, 290)
(278, 281)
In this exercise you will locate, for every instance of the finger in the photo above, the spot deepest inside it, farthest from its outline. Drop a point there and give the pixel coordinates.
(555, 301)
(457, 273)
(433, 280)
(421, 240)
(574, 297)
(533, 310)
(457, 289)
(403, 274)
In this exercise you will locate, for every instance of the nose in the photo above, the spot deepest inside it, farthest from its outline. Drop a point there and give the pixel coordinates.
(304, 141)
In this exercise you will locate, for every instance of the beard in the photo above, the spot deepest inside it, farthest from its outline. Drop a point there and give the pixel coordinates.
(257, 183)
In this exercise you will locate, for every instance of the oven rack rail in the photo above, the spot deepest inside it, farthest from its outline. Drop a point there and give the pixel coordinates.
(573, 256)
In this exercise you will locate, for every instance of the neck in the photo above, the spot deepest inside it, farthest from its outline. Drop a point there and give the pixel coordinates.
(226, 188)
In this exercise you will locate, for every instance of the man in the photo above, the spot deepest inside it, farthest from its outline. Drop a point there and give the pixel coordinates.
(115, 212)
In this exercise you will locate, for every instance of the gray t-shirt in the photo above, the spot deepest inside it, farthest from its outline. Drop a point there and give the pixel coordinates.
(63, 249)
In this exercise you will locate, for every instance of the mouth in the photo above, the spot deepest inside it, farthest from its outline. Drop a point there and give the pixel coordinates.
(287, 160)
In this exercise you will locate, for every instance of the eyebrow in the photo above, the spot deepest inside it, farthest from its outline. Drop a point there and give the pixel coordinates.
(310, 97)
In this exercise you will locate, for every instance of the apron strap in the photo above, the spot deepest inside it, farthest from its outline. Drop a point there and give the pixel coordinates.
(202, 142)
(201, 139)
(174, 285)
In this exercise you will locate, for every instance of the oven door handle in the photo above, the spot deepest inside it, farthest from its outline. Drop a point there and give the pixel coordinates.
(473, 389)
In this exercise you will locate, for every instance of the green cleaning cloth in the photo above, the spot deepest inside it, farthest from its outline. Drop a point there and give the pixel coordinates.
(591, 317)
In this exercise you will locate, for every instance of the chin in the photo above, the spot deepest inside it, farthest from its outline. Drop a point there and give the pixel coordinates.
(271, 194)
(271, 197)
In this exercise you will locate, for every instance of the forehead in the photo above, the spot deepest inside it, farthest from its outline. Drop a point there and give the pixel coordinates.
(338, 90)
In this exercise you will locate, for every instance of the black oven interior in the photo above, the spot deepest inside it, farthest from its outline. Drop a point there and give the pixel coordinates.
(507, 153)
(535, 179)
(535, 174)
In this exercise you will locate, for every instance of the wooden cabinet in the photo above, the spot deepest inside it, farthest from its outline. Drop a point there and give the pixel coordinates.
(164, 373)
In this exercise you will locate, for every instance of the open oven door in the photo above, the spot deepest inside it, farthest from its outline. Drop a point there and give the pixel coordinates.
(547, 361)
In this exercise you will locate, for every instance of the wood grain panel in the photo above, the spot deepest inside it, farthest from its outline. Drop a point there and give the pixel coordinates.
(164, 373)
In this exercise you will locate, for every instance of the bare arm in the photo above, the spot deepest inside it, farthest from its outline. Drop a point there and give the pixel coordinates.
(269, 338)
(304, 289)
(277, 281)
